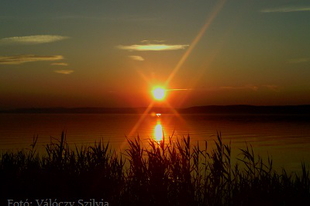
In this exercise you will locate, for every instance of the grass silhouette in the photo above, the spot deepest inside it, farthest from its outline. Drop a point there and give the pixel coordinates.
(172, 172)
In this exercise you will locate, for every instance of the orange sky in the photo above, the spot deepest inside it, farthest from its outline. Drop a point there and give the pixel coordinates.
(112, 53)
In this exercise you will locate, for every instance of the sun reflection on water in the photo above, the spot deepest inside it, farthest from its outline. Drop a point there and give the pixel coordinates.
(158, 131)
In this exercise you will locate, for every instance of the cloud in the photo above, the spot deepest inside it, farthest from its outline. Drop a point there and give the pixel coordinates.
(152, 47)
(254, 88)
(20, 59)
(137, 58)
(59, 64)
(274, 88)
(299, 60)
(247, 87)
(122, 18)
(34, 39)
(286, 9)
(146, 41)
(63, 71)
(179, 89)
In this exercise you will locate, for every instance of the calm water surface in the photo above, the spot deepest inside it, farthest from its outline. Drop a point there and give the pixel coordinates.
(285, 138)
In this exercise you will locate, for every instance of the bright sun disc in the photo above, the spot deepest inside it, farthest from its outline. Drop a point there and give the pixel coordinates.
(159, 93)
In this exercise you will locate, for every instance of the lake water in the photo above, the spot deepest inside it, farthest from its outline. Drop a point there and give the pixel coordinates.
(285, 138)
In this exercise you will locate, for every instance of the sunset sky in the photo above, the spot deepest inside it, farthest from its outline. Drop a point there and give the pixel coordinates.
(111, 53)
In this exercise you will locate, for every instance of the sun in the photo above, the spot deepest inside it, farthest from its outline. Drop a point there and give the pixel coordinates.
(159, 93)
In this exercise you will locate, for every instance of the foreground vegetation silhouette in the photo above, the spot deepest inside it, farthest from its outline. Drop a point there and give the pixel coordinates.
(166, 173)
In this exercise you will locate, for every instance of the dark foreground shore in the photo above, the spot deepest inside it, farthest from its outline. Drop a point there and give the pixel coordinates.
(166, 173)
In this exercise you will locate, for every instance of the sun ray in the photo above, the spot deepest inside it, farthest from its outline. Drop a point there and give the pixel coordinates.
(143, 76)
(135, 127)
(177, 67)
(175, 112)
(195, 41)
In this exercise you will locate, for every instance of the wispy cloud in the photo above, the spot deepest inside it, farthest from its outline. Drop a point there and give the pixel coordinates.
(34, 39)
(272, 87)
(152, 47)
(146, 41)
(286, 9)
(59, 64)
(118, 17)
(179, 89)
(247, 87)
(298, 60)
(20, 59)
(136, 58)
(254, 88)
(63, 71)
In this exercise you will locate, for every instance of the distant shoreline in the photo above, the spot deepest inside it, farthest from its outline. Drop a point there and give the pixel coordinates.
(214, 109)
